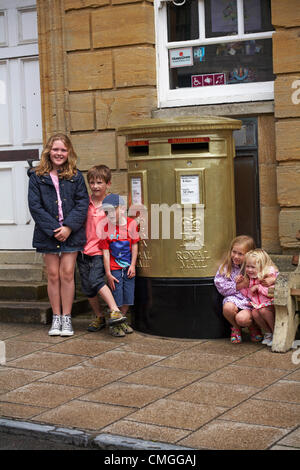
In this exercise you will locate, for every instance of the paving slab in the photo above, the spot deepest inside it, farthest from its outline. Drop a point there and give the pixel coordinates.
(85, 415)
(225, 435)
(123, 394)
(148, 392)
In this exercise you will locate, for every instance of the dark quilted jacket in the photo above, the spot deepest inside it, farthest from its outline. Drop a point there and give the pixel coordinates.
(43, 206)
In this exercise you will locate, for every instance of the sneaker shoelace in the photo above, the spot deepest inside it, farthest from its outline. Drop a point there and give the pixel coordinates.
(66, 322)
(56, 322)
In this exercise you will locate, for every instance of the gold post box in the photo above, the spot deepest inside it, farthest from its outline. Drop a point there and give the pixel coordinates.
(181, 187)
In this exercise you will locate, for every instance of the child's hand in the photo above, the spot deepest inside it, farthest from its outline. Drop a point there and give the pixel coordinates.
(268, 280)
(254, 288)
(239, 278)
(242, 282)
(62, 233)
(111, 281)
(131, 271)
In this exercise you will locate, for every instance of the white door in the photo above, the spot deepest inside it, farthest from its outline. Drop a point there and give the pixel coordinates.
(20, 118)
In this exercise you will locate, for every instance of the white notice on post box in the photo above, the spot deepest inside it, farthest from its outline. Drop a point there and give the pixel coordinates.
(189, 188)
(136, 190)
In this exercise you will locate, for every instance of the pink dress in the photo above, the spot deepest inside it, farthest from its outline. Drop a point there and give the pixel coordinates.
(260, 297)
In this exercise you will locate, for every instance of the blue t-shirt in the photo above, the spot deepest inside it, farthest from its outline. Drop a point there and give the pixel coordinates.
(119, 240)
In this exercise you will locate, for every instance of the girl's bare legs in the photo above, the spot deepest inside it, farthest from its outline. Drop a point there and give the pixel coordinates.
(265, 318)
(52, 263)
(244, 318)
(67, 283)
(229, 311)
(237, 318)
(61, 286)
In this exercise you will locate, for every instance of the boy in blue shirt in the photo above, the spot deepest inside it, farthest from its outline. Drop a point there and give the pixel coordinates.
(120, 249)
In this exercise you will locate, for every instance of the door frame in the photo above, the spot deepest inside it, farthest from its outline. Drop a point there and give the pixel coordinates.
(247, 145)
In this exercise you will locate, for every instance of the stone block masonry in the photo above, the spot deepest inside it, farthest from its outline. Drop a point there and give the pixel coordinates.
(102, 75)
(286, 60)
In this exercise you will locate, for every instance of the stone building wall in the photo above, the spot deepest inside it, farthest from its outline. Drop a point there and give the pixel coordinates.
(267, 166)
(286, 57)
(98, 72)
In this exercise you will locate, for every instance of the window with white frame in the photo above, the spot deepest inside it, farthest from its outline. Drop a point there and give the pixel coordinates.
(213, 51)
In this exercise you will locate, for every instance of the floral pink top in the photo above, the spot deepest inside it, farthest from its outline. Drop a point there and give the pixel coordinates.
(260, 297)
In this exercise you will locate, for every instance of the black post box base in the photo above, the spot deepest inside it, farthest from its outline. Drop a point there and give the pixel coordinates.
(179, 308)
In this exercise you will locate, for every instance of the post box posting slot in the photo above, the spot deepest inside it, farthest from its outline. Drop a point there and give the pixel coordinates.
(138, 147)
(189, 145)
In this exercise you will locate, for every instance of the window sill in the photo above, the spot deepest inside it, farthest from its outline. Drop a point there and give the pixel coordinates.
(253, 108)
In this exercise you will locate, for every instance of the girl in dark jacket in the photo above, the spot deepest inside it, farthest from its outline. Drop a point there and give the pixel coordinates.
(58, 202)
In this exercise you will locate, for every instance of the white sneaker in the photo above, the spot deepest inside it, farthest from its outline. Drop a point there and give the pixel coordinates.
(66, 328)
(268, 337)
(55, 329)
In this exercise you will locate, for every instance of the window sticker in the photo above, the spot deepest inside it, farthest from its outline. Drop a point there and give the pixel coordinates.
(242, 74)
(209, 79)
(199, 53)
(181, 57)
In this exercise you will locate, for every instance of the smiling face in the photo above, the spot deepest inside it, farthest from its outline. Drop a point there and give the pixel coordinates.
(238, 254)
(98, 188)
(251, 268)
(58, 154)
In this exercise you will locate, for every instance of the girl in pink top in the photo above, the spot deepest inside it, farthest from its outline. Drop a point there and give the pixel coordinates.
(257, 266)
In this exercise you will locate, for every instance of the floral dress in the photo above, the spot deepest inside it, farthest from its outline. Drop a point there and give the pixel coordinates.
(227, 288)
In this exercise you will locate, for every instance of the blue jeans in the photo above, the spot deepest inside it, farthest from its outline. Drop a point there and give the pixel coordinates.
(124, 289)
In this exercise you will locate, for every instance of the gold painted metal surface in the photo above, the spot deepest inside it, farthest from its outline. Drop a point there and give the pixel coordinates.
(167, 175)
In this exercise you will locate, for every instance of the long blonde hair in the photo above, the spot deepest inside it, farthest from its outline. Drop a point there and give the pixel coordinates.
(263, 262)
(69, 168)
(247, 242)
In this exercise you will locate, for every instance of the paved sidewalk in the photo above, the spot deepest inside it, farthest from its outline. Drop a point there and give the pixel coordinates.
(198, 394)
